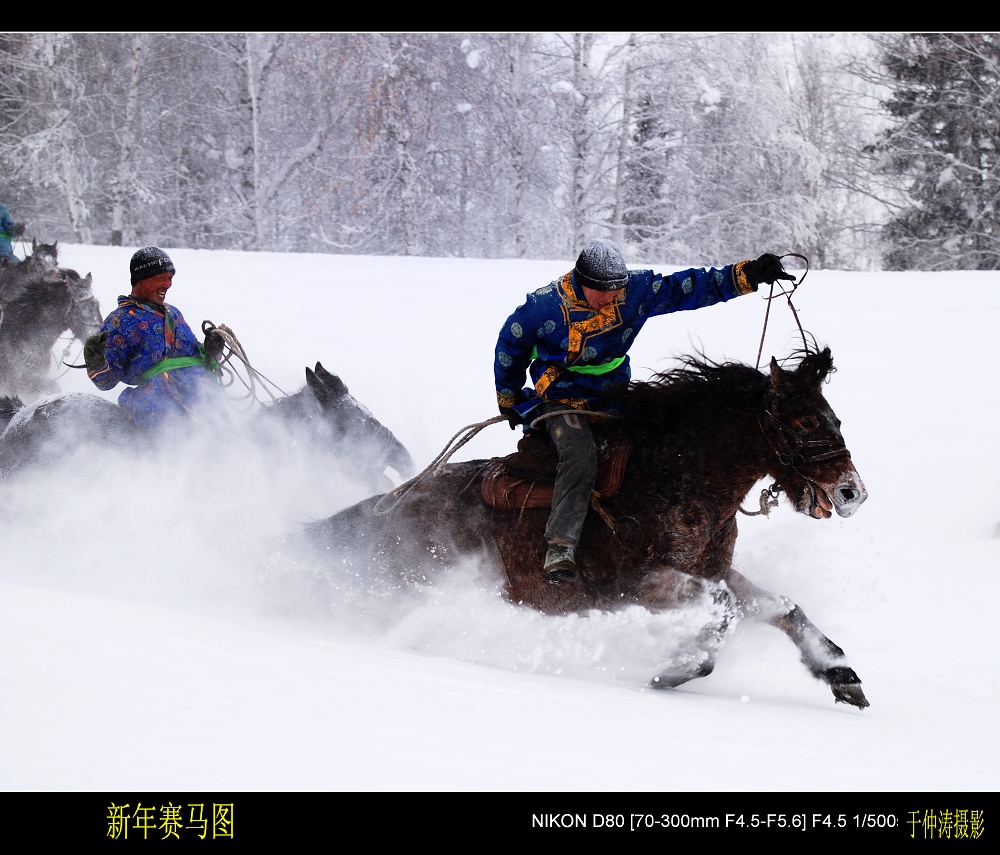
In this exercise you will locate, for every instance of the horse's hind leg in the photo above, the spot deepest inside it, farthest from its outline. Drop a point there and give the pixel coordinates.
(824, 659)
(697, 659)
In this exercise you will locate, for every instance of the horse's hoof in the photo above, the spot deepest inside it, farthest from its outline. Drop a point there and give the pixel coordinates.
(678, 677)
(665, 681)
(839, 675)
(850, 693)
(846, 686)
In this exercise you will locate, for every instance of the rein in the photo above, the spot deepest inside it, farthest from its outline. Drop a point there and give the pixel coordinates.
(769, 496)
(234, 353)
(788, 297)
(65, 354)
(393, 497)
(596, 416)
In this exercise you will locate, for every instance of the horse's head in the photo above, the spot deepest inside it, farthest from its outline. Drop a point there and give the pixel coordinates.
(328, 389)
(44, 256)
(805, 451)
(85, 317)
(352, 423)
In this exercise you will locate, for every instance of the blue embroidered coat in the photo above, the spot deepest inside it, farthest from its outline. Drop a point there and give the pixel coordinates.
(574, 352)
(140, 335)
(6, 232)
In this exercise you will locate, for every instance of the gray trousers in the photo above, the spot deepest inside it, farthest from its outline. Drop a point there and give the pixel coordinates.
(575, 474)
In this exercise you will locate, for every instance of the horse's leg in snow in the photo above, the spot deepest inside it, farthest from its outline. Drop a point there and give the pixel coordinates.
(824, 659)
(668, 589)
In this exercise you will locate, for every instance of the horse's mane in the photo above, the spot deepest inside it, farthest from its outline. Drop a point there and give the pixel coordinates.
(17, 291)
(696, 387)
(699, 390)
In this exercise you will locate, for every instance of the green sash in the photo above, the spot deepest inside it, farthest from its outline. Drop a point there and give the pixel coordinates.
(604, 368)
(170, 364)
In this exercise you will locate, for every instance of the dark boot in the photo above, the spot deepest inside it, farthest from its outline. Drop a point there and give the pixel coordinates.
(560, 564)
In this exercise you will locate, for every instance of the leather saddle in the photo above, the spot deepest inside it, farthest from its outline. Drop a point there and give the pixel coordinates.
(525, 478)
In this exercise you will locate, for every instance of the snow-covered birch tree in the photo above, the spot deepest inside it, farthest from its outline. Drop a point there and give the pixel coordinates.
(45, 135)
(124, 180)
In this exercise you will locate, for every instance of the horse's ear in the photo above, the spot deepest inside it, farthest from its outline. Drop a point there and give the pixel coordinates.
(816, 367)
(331, 381)
(328, 388)
(315, 384)
(777, 374)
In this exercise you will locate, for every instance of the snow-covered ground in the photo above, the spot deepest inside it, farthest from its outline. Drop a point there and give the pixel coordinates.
(143, 649)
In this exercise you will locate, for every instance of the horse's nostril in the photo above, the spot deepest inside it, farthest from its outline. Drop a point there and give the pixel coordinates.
(848, 495)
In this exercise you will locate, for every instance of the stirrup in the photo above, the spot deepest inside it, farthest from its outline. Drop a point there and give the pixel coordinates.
(560, 564)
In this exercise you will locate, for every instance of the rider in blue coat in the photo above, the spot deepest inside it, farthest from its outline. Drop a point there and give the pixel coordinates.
(147, 344)
(572, 338)
(8, 231)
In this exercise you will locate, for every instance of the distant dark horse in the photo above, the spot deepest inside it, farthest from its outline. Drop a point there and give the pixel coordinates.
(321, 416)
(702, 436)
(39, 301)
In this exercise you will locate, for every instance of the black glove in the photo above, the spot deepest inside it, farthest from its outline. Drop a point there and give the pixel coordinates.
(214, 342)
(93, 351)
(513, 416)
(18, 230)
(765, 270)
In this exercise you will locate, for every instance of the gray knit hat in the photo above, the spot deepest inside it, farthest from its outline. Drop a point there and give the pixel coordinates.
(149, 261)
(601, 266)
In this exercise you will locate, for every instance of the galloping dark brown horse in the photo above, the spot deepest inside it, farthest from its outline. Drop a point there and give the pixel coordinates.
(702, 436)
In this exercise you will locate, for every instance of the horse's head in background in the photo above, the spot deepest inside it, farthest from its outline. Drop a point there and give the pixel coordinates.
(85, 316)
(333, 416)
(39, 301)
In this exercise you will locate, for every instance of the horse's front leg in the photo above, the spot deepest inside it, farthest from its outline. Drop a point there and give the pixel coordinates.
(824, 659)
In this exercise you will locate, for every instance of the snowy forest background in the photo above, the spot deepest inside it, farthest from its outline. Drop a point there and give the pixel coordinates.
(861, 151)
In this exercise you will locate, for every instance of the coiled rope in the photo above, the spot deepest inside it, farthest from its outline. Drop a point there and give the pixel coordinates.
(234, 364)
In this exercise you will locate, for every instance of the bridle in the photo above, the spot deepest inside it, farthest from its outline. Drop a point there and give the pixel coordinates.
(79, 304)
(75, 310)
(798, 453)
